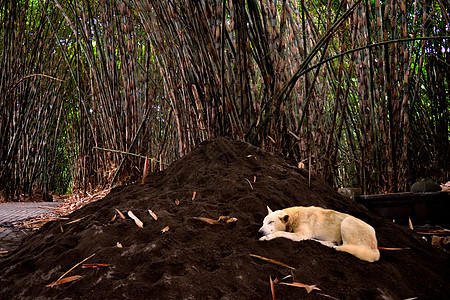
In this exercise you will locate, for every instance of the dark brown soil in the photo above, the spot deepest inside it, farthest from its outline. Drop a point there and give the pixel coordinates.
(196, 260)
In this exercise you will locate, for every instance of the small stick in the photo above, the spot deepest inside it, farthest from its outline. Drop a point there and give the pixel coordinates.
(126, 153)
(62, 276)
(272, 261)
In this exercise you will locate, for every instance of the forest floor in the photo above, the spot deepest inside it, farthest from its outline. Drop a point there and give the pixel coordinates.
(21, 218)
(181, 252)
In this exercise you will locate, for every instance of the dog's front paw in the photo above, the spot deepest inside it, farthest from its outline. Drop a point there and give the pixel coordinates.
(267, 237)
(263, 238)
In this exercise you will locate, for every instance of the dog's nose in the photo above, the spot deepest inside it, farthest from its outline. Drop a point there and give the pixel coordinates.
(260, 233)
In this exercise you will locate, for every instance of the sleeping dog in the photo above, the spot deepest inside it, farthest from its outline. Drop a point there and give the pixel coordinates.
(331, 228)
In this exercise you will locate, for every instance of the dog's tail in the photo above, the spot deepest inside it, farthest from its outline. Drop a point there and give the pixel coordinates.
(361, 252)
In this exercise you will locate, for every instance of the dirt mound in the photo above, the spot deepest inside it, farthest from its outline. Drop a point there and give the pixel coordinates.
(197, 260)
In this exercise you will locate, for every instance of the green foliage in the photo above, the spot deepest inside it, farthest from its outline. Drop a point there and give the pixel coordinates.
(64, 162)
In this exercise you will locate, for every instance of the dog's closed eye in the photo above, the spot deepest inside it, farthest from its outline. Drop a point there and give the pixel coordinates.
(271, 222)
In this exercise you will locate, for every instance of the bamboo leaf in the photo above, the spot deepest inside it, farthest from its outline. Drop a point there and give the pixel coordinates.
(272, 288)
(120, 214)
(154, 216)
(64, 280)
(62, 276)
(135, 219)
(308, 288)
(207, 220)
(88, 266)
(144, 175)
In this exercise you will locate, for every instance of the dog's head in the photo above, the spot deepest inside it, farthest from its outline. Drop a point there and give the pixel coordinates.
(273, 222)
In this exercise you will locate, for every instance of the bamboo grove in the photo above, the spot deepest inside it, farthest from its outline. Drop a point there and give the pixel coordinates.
(357, 91)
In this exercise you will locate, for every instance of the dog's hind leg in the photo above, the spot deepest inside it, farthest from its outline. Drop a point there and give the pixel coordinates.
(360, 252)
(359, 239)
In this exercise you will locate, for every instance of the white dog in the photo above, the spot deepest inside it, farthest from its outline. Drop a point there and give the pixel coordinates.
(329, 227)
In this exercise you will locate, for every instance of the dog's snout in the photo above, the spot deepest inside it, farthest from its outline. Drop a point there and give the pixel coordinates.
(260, 233)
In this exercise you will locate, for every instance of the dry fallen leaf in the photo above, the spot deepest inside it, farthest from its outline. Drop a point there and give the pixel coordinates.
(224, 219)
(272, 261)
(286, 277)
(272, 288)
(86, 266)
(62, 276)
(153, 215)
(227, 219)
(392, 249)
(120, 214)
(193, 196)
(145, 173)
(249, 183)
(177, 202)
(119, 245)
(76, 221)
(308, 288)
(136, 219)
(207, 220)
(432, 231)
(165, 229)
(114, 218)
(64, 280)
(195, 268)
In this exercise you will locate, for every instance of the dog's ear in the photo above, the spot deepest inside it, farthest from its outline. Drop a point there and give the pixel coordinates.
(269, 210)
(284, 218)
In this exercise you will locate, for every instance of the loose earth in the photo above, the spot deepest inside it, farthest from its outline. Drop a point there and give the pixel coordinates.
(179, 256)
